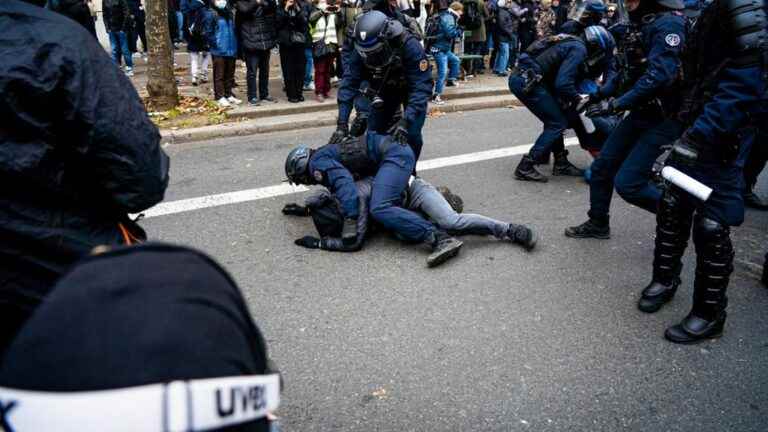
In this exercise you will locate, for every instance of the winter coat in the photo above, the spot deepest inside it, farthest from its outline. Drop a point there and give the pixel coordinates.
(478, 34)
(222, 39)
(256, 19)
(117, 15)
(448, 32)
(295, 20)
(546, 20)
(199, 22)
(507, 23)
(80, 152)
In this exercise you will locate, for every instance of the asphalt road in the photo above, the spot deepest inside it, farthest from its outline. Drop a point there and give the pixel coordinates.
(496, 340)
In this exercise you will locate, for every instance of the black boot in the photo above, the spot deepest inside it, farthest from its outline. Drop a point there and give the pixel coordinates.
(526, 171)
(543, 159)
(673, 227)
(522, 235)
(714, 265)
(563, 167)
(592, 228)
(752, 200)
(444, 247)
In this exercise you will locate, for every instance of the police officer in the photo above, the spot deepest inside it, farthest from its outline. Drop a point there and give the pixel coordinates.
(393, 65)
(591, 13)
(652, 46)
(724, 81)
(391, 163)
(546, 83)
(77, 155)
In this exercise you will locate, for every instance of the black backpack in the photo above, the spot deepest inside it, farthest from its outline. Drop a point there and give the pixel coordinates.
(431, 30)
(472, 19)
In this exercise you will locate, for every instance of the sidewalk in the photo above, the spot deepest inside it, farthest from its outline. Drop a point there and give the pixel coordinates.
(480, 92)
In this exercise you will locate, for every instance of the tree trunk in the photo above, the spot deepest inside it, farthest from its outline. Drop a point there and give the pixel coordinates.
(163, 94)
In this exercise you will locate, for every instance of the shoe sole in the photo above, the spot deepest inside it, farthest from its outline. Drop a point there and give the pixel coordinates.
(525, 178)
(445, 256)
(594, 236)
(694, 341)
(560, 174)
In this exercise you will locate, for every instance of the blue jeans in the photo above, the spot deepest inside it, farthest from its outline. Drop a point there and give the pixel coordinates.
(447, 65)
(308, 69)
(119, 43)
(545, 107)
(502, 58)
(425, 198)
(381, 120)
(626, 160)
(387, 194)
(180, 24)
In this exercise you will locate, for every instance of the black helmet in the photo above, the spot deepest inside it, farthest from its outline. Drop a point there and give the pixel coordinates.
(297, 165)
(600, 43)
(373, 35)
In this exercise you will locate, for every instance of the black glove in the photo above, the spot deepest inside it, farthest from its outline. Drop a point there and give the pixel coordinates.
(685, 152)
(294, 209)
(581, 102)
(603, 108)
(342, 130)
(349, 231)
(400, 133)
(359, 125)
(308, 242)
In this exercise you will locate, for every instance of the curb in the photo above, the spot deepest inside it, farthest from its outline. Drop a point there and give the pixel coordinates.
(325, 118)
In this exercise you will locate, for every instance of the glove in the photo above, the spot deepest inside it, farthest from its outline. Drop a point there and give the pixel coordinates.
(349, 231)
(400, 133)
(685, 152)
(294, 209)
(603, 108)
(581, 102)
(308, 242)
(359, 125)
(340, 133)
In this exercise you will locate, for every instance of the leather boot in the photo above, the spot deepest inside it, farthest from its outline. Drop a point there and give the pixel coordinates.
(444, 247)
(563, 167)
(592, 228)
(526, 171)
(673, 227)
(714, 265)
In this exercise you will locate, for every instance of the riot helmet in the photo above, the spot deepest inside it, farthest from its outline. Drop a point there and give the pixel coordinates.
(589, 12)
(297, 165)
(374, 37)
(600, 43)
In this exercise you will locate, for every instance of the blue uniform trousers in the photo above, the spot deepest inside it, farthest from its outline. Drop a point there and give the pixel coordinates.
(387, 195)
(627, 158)
(380, 120)
(546, 108)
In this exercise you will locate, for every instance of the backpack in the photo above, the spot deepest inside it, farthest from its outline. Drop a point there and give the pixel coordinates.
(431, 30)
(547, 42)
(472, 19)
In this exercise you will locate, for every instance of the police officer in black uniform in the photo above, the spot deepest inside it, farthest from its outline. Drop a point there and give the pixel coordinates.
(385, 62)
(725, 80)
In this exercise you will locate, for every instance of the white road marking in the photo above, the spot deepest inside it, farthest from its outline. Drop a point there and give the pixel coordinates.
(208, 201)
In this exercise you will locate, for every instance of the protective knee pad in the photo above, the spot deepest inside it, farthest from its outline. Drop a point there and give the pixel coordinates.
(673, 227)
(714, 261)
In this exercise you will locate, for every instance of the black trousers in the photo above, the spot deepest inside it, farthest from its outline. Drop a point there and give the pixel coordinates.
(257, 62)
(223, 76)
(293, 62)
(139, 31)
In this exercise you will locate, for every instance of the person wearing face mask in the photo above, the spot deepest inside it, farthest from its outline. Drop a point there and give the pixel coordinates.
(223, 43)
(649, 91)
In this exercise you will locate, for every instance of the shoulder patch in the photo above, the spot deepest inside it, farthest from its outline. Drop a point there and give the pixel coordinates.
(424, 65)
(318, 176)
(672, 39)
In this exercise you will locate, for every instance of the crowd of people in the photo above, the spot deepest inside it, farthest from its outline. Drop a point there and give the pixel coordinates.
(668, 101)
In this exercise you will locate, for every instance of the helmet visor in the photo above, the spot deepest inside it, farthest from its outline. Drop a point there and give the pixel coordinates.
(376, 55)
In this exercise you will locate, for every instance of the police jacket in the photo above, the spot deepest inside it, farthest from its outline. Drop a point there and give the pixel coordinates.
(257, 27)
(327, 167)
(724, 71)
(561, 67)
(77, 150)
(412, 75)
(662, 37)
(364, 188)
